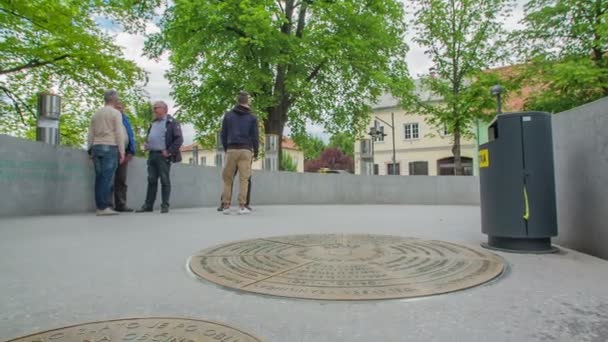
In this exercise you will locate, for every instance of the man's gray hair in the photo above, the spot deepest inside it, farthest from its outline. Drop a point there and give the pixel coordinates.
(242, 98)
(110, 96)
(163, 103)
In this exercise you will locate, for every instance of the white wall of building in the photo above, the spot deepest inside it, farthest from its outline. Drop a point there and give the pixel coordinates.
(429, 145)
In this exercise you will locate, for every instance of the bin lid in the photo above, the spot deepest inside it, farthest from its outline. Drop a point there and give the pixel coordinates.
(520, 114)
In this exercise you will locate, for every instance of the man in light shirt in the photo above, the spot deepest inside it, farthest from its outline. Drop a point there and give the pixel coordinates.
(107, 149)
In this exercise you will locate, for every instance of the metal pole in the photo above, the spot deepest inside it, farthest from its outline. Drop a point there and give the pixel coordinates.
(219, 151)
(373, 162)
(499, 103)
(394, 152)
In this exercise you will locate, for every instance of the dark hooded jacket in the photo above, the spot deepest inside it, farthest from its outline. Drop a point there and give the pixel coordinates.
(240, 130)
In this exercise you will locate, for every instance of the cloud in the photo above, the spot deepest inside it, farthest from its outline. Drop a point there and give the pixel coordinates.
(158, 87)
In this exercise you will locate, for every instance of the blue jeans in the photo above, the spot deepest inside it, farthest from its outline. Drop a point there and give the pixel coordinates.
(105, 158)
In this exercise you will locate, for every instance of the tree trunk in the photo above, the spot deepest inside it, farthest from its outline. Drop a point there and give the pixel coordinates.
(456, 151)
(275, 124)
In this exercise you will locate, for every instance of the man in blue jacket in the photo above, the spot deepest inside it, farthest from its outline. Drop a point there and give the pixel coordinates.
(120, 178)
(240, 138)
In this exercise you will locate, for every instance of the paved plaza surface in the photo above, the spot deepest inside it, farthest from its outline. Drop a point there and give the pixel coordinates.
(57, 271)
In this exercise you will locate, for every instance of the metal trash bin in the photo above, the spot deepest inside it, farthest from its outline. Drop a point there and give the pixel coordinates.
(517, 183)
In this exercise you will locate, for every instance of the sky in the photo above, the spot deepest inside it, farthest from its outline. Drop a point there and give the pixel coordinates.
(159, 89)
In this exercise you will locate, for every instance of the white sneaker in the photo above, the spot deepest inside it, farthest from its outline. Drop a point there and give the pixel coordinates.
(244, 211)
(107, 212)
(226, 211)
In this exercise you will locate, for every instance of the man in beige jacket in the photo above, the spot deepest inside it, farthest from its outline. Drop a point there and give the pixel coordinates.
(107, 149)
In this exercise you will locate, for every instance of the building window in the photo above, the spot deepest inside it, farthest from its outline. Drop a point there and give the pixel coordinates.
(376, 169)
(419, 168)
(204, 161)
(445, 166)
(395, 171)
(411, 131)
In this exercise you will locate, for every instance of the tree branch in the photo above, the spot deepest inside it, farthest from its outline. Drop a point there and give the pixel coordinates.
(286, 27)
(35, 63)
(301, 20)
(23, 17)
(315, 72)
(237, 31)
(16, 100)
(280, 6)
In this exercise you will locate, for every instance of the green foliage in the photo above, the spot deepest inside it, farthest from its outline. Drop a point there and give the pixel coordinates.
(288, 164)
(462, 39)
(565, 46)
(140, 115)
(316, 61)
(311, 146)
(49, 44)
(345, 142)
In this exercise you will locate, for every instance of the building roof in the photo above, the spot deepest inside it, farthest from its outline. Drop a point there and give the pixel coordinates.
(286, 144)
(188, 148)
(387, 100)
(289, 144)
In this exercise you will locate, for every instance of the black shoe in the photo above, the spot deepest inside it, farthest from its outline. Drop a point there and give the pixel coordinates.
(124, 210)
(164, 210)
(144, 210)
(220, 208)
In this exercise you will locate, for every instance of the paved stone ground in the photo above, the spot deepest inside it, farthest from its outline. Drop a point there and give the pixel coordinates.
(62, 270)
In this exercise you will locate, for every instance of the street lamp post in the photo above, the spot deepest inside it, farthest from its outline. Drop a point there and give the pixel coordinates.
(375, 133)
(497, 91)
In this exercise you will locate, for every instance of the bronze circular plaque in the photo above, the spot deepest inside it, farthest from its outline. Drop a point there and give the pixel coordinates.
(143, 329)
(346, 267)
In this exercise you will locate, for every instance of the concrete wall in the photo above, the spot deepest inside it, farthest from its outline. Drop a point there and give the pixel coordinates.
(580, 138)
(40, 179)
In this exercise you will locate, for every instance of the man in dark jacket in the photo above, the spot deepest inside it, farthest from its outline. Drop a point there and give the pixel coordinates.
(120, 178)
(163, 143)
(240, 138)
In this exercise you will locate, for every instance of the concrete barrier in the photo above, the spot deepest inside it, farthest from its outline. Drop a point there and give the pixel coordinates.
(41, 179)
(580, 140)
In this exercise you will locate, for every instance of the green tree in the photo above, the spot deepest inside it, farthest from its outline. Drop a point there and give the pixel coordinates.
(311, 146)
(302, 60)
(344, 141)
(140, 115)
(288, 164)
(565, 46)
(49, 44)
(461, 37)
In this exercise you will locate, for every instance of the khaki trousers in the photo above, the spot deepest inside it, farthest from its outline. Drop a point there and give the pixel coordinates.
(237, 160)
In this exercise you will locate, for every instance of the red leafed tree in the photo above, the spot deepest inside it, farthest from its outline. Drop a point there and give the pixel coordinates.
(331, 158)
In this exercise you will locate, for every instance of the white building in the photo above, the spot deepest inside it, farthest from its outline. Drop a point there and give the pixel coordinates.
(420, 148)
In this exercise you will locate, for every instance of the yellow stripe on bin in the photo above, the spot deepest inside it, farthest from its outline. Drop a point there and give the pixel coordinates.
(484, 158)
(526, 205)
